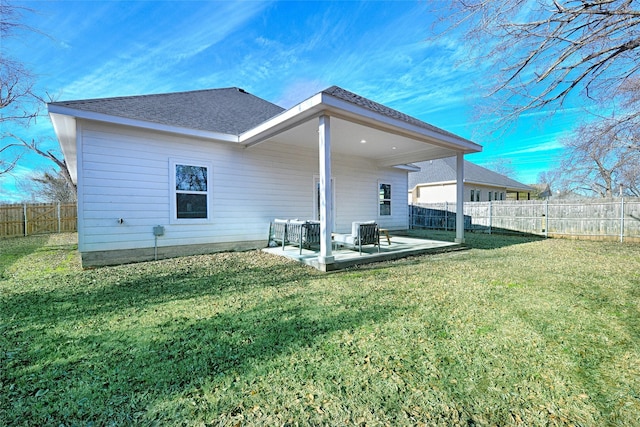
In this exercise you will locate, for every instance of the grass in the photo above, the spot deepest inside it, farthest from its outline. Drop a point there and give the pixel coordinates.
(515, 331)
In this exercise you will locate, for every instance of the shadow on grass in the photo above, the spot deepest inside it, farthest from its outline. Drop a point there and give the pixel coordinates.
(110, 290)
(478, 240)
(61, 371)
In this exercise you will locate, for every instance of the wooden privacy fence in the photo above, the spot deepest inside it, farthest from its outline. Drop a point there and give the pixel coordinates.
(37, 218)
(602, 219)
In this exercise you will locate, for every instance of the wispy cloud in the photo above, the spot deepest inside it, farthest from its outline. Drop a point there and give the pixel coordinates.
(543, 147)
(283, 52)
(139, 67)
(9, 191)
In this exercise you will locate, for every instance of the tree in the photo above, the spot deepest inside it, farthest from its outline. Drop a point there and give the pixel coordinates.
(503, 167)
(49, 186)
(541, 51)
(19, 102)
(545, 185)
(59, 161)
(601, 157)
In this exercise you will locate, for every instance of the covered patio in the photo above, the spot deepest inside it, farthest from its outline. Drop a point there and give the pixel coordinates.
(398, 246)
(339, 124)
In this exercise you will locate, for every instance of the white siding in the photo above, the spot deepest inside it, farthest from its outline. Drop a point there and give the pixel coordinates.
(440, 193)
(124, 173)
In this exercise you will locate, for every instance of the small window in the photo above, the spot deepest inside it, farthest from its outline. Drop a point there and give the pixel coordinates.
(478, 196)
(385, 199)
(190, 185)
(473, 195)
(489, 196)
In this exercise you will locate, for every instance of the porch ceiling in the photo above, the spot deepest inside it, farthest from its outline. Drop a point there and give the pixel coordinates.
(384, 147)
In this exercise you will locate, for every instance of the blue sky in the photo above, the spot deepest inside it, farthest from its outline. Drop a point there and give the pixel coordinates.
(280, 51)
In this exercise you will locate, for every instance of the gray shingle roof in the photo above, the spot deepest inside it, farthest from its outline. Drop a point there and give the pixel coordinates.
(228, 110)
(443, 170)
(353, 98)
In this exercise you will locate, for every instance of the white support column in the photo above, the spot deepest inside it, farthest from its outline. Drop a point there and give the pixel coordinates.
(326, 226)
(460, 197)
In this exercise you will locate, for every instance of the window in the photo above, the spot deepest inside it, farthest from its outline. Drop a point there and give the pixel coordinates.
(385, 199)
(489, 197)
(190, 184)
(478, 196)
(473, 195)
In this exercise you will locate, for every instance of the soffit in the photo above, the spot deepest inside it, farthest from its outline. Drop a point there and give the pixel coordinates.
(384, 147)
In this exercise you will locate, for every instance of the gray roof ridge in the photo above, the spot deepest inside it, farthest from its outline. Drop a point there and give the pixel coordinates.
(146, 95)
(491, 174)
(377, 107)
(229, 110)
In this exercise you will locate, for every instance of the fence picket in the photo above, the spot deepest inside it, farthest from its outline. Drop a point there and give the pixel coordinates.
(37, 218)
(606, 219)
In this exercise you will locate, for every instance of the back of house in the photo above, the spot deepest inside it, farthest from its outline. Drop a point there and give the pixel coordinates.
(204, 171)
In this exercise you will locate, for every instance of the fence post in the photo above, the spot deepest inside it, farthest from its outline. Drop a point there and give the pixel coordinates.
(546, 219)
(621, 219)
(59, 219)
(446, 216)
(24, 215)
(490, 216)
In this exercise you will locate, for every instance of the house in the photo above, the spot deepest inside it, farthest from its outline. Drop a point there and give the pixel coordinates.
(204, 171)
(435, 182)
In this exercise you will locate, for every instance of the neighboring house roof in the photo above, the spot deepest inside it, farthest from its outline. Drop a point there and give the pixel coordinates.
(228, 110)
(444, 170)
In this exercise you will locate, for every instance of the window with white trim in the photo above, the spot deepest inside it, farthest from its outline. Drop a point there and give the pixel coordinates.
(473, 195)
(384, 192)
(191, 188)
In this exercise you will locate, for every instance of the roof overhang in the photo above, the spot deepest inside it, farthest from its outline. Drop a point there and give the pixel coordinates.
(64, 120)
(390, 142)
(65, 128)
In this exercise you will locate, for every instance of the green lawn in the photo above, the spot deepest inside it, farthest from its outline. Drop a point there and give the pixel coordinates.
(515, 331)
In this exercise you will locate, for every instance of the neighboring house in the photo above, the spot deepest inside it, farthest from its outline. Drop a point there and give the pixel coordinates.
(213, 168)
(436, 183)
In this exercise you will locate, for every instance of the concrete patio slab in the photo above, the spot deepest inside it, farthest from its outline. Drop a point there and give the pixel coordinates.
(400, 247)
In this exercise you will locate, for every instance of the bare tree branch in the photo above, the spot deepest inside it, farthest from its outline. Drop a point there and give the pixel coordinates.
(8, 166)
(542, 51)
(601, 156)
(20, 105)
(58, 160)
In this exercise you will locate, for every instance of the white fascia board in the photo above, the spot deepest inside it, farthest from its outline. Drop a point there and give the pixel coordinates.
(500, 186)
(384, 122)
(283, 121)
(90, 115)
(436, 184)
(65, 129)
(482, 184)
